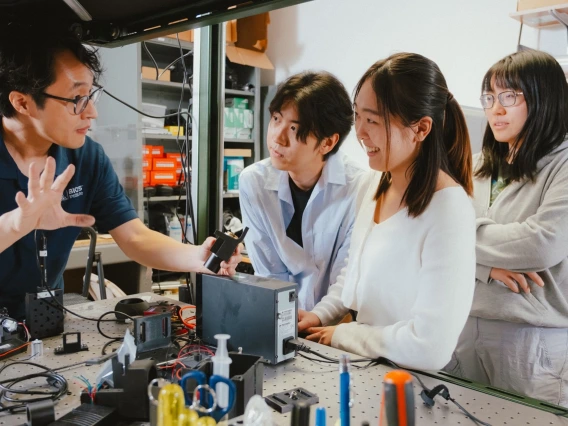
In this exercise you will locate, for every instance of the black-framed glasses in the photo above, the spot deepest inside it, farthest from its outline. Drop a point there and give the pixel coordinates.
(80, 102)
(507, 98)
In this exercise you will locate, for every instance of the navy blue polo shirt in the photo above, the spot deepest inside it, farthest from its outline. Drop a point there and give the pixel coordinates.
(94, 189)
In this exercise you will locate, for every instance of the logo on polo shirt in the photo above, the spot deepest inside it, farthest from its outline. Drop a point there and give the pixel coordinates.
(72, 193)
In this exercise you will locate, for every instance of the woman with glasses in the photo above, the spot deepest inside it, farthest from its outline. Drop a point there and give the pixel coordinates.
(517, 335)
(411, 268)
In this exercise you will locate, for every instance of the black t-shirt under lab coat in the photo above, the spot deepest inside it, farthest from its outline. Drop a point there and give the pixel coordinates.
(300, 199)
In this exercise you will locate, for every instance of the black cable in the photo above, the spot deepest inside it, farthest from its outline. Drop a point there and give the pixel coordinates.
(46, 287)
(467, 413)
(107, 344)
(189, 216)
(446, 396)
(101, 319)
(175, 62)
(142, 112)
(299, 346)
(152, 58)
(56, 380)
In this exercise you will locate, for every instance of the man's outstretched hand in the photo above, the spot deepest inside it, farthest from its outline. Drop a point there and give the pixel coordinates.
(42, 207)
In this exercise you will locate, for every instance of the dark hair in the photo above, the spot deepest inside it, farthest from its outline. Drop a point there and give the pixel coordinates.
(543, 83)
(409, 87)
(27, 64)
(323, 105)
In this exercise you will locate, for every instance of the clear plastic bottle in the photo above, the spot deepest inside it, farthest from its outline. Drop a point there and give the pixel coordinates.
(175, 229)
(221, 366)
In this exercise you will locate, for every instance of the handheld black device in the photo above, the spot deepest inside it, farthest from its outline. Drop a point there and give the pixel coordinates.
(223, 249)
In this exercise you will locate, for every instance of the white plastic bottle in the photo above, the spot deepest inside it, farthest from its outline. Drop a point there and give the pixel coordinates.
(175, 229)
(189, 230)
(221, 366)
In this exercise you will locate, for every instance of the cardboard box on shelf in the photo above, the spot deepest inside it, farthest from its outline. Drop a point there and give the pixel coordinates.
(229, 129)
(537, 4)
(175, 129)
(155, 110)
(150, 74)
(248, 119)
(237, 152)
(252, 41)
(163, 178)
(146, 163)
(164, 164)
(247, 40)
(241, 103)
(157, 151)
(244, 134)
(243, 123)
(145, 178)
(239, 117)
(175, 156)
(233, 168)
(146, 150)
(230, 30)
(183, 35)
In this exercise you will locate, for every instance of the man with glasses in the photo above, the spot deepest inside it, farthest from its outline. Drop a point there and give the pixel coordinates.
(48, 91)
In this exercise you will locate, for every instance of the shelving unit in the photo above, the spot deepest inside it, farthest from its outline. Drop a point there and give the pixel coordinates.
(165, 51)
(543, 17)
(231, 140)
(230, 195)
(172, 85)
(150, 137)
(233, 92)
(158, 199)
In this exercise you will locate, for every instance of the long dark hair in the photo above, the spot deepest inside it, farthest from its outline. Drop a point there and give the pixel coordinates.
(543, 83)
(409, 87)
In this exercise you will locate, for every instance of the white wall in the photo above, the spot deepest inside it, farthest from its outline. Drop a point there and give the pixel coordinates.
(346, 36)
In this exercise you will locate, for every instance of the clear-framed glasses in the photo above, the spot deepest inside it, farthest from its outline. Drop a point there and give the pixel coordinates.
(80, 102)
(507, 98)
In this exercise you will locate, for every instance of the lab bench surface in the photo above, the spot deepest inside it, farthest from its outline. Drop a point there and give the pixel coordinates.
(316, 377)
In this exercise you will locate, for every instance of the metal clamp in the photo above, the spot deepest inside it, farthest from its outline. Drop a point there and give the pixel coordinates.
(71, 348)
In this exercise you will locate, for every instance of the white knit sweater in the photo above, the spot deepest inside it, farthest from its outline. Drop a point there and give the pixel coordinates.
(411, 280)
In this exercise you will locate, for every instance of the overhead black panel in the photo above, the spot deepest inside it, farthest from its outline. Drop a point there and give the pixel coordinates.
(118, 22)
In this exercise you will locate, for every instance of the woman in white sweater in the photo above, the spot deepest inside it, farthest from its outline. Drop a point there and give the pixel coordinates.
(411, 269)
(517, 335)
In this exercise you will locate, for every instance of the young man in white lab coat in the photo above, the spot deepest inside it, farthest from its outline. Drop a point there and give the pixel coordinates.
(299, 203)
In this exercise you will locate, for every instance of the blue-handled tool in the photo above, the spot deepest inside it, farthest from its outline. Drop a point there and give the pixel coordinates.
(344, 390)
(205, 398)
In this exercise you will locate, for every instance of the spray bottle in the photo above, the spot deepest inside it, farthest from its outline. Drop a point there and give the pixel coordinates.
(221, 365)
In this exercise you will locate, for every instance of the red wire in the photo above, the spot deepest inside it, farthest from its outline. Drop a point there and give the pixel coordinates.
(13, 350)
(183, 320)
(28, 335)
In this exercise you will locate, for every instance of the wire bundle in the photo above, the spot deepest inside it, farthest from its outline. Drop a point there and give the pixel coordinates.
(56, 381)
